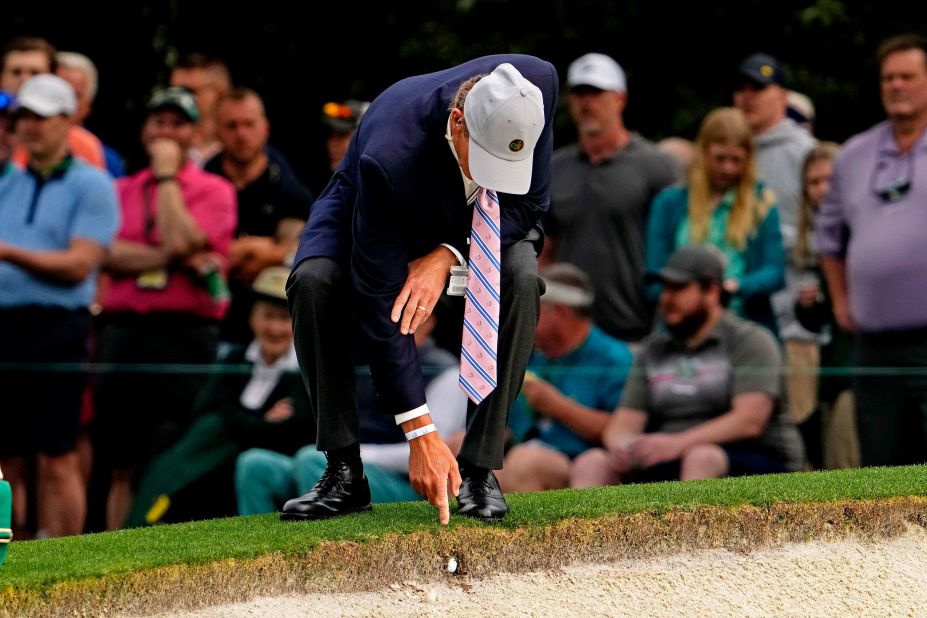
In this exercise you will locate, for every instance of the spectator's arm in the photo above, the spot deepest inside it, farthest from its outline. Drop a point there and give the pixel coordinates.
(129, 258)
(289, 231)
(68, 266)
(546, 399)
(746, 419)
(832, 237)
(660, 240)
(180, 235)
(623, 424)
(768, 274)
(835, 272)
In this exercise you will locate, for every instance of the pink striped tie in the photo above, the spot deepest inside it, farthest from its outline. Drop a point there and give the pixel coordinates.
(481, 308)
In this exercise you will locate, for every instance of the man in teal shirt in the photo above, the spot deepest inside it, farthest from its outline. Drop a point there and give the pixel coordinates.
(574, 381)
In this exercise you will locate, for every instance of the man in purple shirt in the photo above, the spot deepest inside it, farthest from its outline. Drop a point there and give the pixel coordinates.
(872, 237)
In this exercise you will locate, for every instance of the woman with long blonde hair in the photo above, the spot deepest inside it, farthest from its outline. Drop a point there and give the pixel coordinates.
(723, 205)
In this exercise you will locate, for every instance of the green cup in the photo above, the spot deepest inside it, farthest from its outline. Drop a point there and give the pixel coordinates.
(6, 510)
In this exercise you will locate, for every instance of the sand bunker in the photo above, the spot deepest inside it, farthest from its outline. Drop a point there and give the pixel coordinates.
(884, 577)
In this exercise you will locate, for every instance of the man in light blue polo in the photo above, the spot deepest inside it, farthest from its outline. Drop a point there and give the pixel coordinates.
(57, 217)
(872, 235)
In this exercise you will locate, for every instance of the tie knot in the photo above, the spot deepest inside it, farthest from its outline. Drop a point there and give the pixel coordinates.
(487, 198)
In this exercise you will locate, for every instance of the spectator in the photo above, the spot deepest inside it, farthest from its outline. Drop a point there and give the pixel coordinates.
(267, 408)
(573, 384)
(803, 289)
(265, 479)
(6, 132)
(723, 205)
(57, 218)
(689, 409)
(24, 57)
(209, 79)
(871, 236)
(601, 190)
(681, 151)
(341, 119)
(781, 145)
(829, 433)
(163, 303)
(80, 71)
(273, 204)
(800, 108)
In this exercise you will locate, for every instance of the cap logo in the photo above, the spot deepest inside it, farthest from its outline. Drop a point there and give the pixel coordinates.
(516, 144)
(766, 70)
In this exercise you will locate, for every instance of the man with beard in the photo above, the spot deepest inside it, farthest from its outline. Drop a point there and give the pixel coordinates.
(704, 398)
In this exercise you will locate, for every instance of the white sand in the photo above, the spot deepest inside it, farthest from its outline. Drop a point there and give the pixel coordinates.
(849, 578)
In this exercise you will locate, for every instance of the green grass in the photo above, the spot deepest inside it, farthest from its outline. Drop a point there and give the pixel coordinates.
(36, 565)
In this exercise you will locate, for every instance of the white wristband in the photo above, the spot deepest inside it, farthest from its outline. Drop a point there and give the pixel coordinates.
(421, 431)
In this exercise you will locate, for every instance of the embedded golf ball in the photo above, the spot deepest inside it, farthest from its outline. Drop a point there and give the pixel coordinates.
(452, 565)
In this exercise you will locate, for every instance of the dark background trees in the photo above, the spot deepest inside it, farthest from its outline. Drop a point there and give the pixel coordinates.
(679, 56)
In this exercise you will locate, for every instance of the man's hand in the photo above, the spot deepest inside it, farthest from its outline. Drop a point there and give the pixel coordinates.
(619, 452)
(844, 317)
(541, 395)
(280, 411)
(424, 286)
(651, 449)
(432, 471)
(249, 255)
(166, 156)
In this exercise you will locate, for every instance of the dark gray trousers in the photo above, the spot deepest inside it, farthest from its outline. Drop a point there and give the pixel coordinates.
(319, 295)
(891, 401)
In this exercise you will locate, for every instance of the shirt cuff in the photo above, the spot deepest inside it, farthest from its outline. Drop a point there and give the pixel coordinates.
(422, 410)
(460, 259)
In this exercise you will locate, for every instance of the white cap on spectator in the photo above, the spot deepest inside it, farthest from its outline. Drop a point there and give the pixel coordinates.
(596, 70)
(505, 117)
(47, 95)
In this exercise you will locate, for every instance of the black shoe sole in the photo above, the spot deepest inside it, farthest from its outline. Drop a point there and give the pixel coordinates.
(306, 517)
(487, 520)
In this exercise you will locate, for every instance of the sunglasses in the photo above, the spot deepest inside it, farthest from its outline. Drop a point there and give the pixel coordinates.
(896, 188)
(337, 110)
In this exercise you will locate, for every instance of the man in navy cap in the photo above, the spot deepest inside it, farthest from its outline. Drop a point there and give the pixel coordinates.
(781, 144)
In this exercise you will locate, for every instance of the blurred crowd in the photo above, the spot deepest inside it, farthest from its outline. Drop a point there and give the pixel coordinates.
(707, 300)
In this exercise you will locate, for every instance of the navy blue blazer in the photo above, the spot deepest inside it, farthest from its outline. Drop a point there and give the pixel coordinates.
(398, 194)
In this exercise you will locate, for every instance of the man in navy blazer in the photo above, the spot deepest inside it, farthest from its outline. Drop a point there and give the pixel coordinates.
(377, 252)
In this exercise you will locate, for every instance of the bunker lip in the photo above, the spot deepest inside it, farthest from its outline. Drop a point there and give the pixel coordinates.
(480, 552)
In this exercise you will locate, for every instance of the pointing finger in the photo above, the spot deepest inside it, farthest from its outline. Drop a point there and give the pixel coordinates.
(444, 509)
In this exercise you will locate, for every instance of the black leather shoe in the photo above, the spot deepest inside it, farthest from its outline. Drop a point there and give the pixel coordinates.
(480, 496)
(340, 491)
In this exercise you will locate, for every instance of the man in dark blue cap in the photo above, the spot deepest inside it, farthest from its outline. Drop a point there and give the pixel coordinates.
(781, 145)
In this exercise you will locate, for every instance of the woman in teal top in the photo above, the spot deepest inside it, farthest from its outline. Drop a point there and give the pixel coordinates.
(723, 205)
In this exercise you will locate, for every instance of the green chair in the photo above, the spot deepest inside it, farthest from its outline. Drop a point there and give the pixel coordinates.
(6, 510)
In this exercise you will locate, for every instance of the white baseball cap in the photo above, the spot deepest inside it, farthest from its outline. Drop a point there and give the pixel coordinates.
(505, 117)
(596, 70)
(47, 95)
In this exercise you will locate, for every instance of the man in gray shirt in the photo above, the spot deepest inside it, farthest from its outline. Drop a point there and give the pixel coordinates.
(781, 145)
(704, 398)
(872, 236)
(601, 190)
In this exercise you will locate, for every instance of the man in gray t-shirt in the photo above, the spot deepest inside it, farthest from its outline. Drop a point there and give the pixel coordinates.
(704, 397)
(601, 188)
